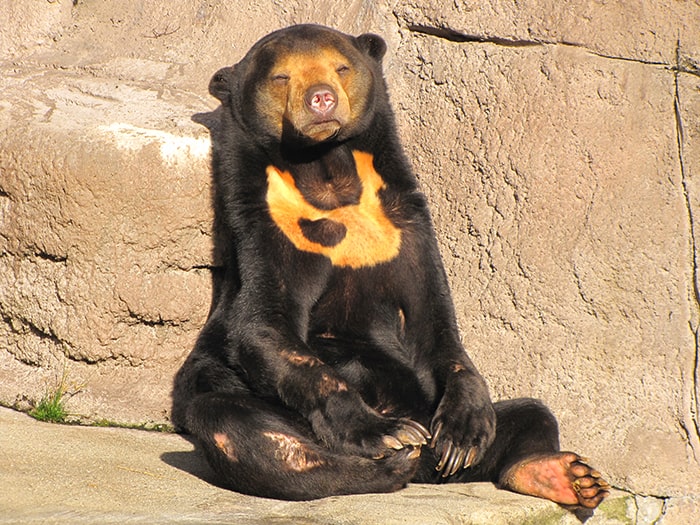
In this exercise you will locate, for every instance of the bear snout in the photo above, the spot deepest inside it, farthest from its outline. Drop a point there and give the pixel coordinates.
(321, 100)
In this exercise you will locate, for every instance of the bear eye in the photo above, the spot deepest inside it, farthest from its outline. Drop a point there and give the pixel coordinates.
(280, 78)
(342, 69)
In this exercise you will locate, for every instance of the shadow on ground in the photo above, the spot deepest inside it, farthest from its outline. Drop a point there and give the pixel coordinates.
(192, 462)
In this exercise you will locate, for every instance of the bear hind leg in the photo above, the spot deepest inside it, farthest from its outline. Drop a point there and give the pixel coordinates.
(532, 464)
(259, 449)
(525, 458)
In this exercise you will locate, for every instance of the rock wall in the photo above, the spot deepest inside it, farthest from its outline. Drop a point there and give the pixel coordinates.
(559, 146)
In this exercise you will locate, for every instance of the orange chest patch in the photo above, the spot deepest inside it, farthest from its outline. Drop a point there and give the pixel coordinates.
(356, 236)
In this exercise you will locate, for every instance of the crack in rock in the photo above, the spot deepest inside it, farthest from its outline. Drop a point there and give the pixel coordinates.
(692, 434)
(453, 35)
(456, 36)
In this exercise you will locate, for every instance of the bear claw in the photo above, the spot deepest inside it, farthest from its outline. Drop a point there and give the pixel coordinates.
(412, 433)
(453, 458)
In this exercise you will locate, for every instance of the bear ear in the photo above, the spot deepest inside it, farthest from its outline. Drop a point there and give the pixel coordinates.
(220, 85)
(373, 44)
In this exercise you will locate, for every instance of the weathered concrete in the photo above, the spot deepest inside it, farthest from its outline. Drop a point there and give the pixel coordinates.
(107, 210)
(54, 474)
(558, 145)
(571, 198)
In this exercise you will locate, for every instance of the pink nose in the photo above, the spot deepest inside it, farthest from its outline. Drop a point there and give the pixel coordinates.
(321, 99)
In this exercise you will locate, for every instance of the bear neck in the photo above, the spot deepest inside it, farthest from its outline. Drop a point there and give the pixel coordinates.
(325, 175)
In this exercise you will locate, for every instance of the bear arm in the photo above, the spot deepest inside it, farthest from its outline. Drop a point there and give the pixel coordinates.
(464, 422)
(288, 370)
(277, 363)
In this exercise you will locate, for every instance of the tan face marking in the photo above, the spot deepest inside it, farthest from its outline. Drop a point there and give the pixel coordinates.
(281, 96)
(293, 453)
(371, 237)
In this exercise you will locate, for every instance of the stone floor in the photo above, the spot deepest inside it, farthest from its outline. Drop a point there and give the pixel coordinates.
(55, 474)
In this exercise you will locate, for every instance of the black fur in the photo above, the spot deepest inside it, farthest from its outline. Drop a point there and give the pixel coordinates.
(309, 379)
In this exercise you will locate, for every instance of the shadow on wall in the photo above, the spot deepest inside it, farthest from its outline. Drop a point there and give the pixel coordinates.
(224, 262)
(223, 254)
(224, 271)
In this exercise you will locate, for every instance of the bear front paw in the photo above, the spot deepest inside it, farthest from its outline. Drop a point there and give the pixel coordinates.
(407, 433)
(369, 434)
(461, 442)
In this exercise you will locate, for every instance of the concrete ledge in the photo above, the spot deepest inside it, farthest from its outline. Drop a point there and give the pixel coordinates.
(53, 474)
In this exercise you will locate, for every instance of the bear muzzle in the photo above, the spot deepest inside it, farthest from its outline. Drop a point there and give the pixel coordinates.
(324, 113)
(322, 101)
(317, 109)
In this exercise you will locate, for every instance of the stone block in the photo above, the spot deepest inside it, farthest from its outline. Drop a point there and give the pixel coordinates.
(555, 180)
(105, 239)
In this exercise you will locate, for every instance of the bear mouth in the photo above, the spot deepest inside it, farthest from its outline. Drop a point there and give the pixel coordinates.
(310, 132)
(322, 130)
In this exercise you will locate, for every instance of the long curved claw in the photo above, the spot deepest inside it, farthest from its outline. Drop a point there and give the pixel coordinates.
(420, 428)
(459, 462)
(436, 434)
(455, 462)
(412, 433)
(471, 456)
(408, 434)
(454, 458)
(392, 442)
(446, 453)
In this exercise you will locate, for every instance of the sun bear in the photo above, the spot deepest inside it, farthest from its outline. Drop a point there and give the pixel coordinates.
(331, 361)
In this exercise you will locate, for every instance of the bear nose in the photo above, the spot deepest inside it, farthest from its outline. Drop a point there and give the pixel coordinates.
(321, 99)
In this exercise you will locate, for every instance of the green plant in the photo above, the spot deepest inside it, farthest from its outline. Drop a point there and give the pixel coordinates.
(150, 427)
(50, 407)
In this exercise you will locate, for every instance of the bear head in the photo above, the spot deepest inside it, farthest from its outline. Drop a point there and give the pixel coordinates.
(304, 84)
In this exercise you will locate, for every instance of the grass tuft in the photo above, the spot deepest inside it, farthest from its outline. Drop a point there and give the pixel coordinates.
(51, 408)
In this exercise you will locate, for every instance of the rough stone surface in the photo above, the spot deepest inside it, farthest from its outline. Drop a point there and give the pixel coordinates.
(648, 32)
(105, 475)
(558, 144)
(105, 236)
(566, 234)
